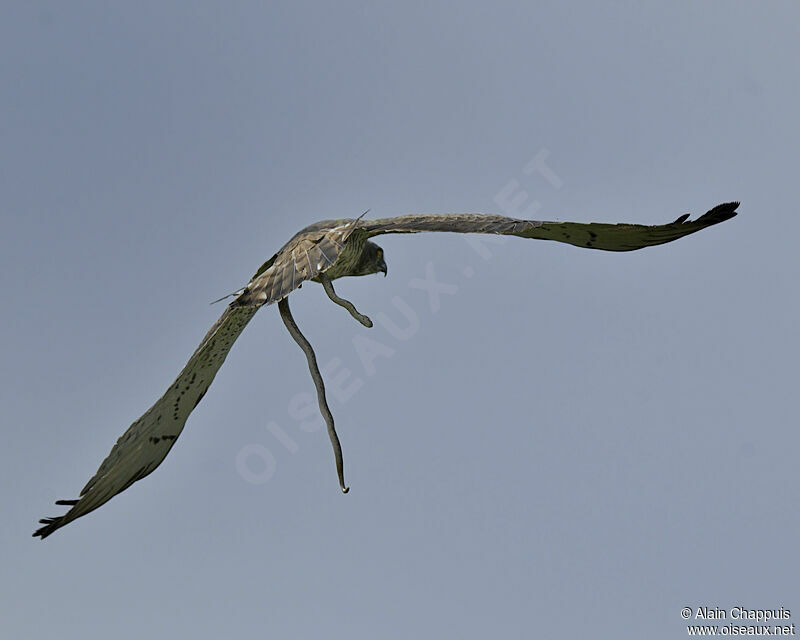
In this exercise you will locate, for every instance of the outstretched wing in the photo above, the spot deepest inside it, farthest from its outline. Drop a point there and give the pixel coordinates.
(609, 237)
(309, 253)
(148, 440)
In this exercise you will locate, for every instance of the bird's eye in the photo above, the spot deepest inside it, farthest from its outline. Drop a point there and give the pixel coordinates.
(379, 253)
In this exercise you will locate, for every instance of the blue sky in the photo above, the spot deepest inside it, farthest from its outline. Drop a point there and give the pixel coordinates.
(570, 443)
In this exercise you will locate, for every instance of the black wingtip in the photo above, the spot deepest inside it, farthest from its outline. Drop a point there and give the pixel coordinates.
(720, 213)
(51, 524)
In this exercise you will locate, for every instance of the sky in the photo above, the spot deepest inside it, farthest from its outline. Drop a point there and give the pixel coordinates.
(561, 443)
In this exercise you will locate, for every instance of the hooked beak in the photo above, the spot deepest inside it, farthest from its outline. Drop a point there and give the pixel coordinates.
(382, 267)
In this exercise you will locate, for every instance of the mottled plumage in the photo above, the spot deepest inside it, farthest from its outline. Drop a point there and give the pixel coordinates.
(323, 252)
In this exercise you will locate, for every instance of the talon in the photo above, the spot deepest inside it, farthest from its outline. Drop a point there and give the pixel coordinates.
(328, 286)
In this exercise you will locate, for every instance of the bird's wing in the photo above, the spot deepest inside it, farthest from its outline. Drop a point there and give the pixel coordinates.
(309, 253)
(148, 440)
(609, 237)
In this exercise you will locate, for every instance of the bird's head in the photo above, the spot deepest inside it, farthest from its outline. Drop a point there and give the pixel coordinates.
(371, 260)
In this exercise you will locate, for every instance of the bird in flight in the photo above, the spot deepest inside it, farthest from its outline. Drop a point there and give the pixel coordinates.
(323, 252)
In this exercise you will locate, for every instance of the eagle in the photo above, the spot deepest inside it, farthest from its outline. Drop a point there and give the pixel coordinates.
(323, 252)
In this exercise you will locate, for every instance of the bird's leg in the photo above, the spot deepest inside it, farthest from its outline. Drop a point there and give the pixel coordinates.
(328, 285)
(305, 345)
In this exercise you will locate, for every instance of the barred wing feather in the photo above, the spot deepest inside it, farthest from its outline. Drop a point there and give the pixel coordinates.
(148, 440)
(592, 235)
